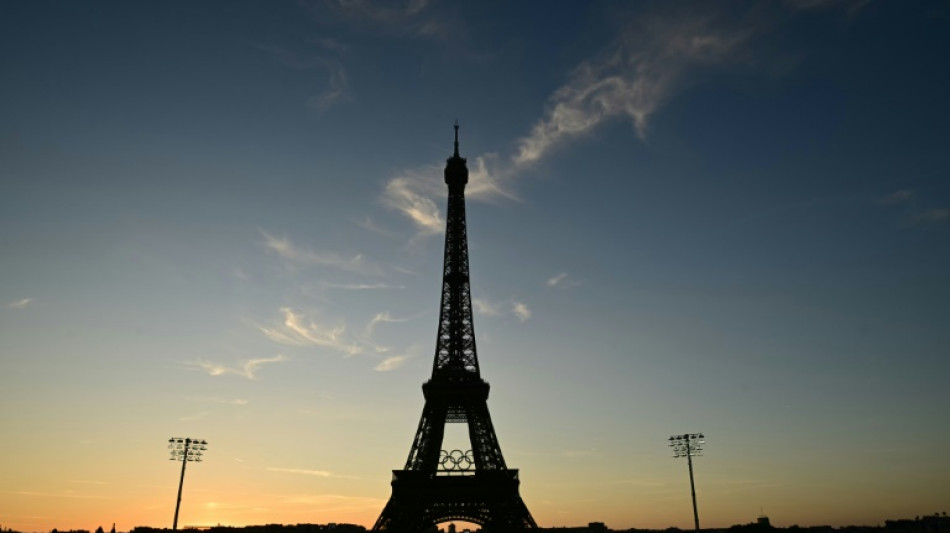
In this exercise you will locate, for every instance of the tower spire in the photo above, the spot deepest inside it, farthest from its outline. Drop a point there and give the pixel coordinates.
(456, 174)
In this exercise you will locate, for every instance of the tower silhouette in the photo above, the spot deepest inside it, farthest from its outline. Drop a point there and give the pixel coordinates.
(473, 485)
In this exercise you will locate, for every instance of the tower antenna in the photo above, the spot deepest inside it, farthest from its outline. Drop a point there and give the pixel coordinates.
(456, 154)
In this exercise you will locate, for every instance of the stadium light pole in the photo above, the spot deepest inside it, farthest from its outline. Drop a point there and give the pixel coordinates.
(689, 445)
(184, 450)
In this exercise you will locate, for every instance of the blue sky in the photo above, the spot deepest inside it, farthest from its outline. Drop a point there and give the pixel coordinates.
(225, 221)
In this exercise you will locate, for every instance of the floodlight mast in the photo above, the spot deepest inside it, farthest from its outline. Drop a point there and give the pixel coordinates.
(184, 450)
(689, 445)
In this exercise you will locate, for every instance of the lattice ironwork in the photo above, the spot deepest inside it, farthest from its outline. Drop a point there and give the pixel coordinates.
(489, 499)
(487, 493)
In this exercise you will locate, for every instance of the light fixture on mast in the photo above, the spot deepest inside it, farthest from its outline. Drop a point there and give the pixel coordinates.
(689, 445)
(184, 450)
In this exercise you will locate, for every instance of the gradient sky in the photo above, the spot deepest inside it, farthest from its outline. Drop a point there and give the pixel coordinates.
(224, 220)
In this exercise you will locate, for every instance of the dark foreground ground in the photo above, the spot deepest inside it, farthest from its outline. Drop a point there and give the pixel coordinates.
(923, 524)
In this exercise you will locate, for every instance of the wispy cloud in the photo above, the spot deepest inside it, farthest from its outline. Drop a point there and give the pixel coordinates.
(20, 304)
(561, 281)
(247, 369)
(899, 197)
(916, 216)
(380, 318)
(521, 311)
(484, 307)
(412, 18)
(288, 250)
(645, 65)
(930, 216)
(369, 224)
(336, 89)
(485, 178)
(296, 330)
(506, 307)
(412, 194)
(391, 363)
(307, 472)
(632, 78)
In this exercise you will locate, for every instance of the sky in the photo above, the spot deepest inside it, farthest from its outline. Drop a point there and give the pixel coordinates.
(225, 220)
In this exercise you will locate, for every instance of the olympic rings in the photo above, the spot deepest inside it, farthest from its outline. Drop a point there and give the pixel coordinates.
(456, 460)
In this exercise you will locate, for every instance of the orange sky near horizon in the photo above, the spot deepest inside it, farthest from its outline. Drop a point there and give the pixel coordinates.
(225, 220)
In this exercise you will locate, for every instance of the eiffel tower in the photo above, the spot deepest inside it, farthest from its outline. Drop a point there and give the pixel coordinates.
(473, 485)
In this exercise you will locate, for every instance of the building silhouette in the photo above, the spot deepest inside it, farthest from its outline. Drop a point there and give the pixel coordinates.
(473, 485)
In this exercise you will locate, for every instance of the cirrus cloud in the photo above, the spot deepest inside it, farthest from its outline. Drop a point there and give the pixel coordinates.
(295, 254)
(632, 78)
(20, 304)
(507, 307)
(247, 369)
(297, 330)
(646, 64)
(391, 363)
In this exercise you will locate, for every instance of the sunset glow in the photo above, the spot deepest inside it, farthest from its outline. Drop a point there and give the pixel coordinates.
(225, 221)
